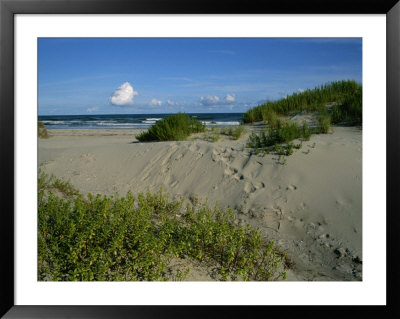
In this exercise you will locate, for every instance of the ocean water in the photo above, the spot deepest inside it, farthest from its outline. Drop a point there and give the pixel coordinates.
(121, 121)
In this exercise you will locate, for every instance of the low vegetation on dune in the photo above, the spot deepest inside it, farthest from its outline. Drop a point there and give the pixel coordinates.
(333, 103)
(131, 238)
(348, 108)
(278, 138)
(346, 96)
(234, 132)
(42, 131)
(176, 127)
(211, 136)
(214, 134)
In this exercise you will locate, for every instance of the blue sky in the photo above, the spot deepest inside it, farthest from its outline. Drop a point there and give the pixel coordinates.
(131, 75)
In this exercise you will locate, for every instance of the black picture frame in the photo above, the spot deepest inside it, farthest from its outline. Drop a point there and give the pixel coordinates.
(8, 8)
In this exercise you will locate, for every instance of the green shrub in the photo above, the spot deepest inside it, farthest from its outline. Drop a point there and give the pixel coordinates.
(176, 127)
(42, 131)
(104, 238)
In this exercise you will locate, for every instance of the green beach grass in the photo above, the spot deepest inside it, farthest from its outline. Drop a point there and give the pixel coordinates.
(343, 97)
(176, 127)
(346, 96)
(42, 131)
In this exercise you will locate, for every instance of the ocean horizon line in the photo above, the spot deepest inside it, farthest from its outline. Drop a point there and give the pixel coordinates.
(132, 121)
(97, 114)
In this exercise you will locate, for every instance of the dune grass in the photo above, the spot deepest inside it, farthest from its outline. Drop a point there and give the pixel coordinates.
(324, 121)
(278, 138)
(42, 131)
(212, 136)
(176, 127)
(346, 96)
(335, 103)
(234, 132)
(348, 109)
(53, 183)
(134, 238)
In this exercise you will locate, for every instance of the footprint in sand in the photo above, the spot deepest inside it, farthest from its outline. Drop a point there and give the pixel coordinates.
(47, 163)
(219, 155)
(302, 206)
(194, 148)
(215, 156)
(76, 173)
(238, 177)
(259, 185)
(145, 177)
(88, 157)
(165, 169)
(249, 188)
(174, 184)
(230, 171)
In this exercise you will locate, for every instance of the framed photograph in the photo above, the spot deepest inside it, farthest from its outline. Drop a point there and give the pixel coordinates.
(176, 159)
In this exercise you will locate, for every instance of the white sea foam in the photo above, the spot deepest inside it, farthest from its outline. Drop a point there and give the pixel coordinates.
(55, 122)
(113, 124)
(228, 123)
(153, 119)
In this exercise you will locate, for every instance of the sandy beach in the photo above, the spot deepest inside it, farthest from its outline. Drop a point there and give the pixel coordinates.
(311, 205)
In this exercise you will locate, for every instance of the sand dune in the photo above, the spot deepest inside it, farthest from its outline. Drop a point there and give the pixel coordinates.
(311, 206)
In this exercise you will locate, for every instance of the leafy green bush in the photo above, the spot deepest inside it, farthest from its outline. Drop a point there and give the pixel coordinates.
(132, 238)
(42, 131)
(176, 127)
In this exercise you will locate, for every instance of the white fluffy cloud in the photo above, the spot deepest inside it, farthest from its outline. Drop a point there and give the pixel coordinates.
(301, 90)
(209, 100)
(171, 103)
(155, 102)
(230, 98)
(92, 109)
(123, 95)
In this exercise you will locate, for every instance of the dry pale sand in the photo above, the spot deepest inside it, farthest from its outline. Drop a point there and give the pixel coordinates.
(311, 206)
